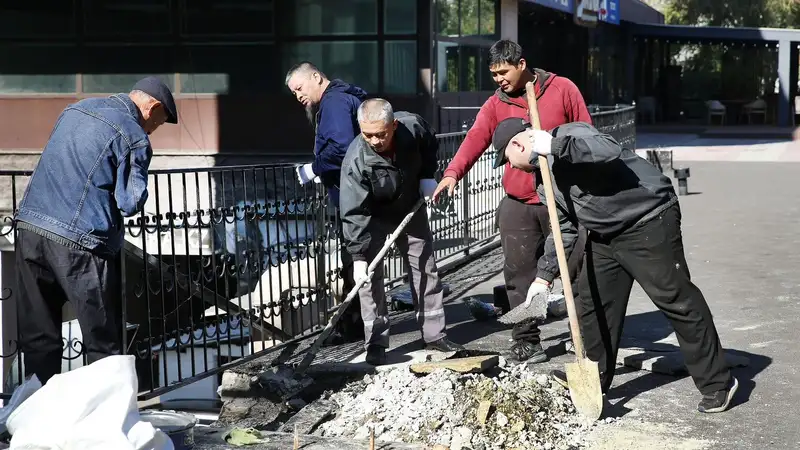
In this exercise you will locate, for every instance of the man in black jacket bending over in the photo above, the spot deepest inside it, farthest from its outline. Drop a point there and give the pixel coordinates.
(634, 222)
(388, 168)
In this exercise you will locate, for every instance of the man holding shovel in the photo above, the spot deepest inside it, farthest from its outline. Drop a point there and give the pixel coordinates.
(388, 168)
(633, 218)
(523, 219)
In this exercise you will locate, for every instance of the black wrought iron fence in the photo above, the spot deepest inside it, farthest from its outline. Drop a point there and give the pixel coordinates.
(228, 263)
(619, 121)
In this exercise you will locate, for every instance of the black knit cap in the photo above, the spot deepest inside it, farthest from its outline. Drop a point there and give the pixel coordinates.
(156, 88)
(506, 130)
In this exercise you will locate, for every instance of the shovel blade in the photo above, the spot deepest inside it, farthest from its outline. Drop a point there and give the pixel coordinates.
(583, 377)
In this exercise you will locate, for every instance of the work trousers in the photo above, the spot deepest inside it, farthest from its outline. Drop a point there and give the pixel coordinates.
(51, 274)
(523, 230)
(416, 247)
(651, 254)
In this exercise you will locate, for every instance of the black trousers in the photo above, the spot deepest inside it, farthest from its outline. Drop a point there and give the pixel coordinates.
(523, 230)
(652, 255)
(51, 274)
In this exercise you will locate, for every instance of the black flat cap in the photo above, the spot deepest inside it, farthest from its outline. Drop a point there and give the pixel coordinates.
(156, 88)
(506, 130)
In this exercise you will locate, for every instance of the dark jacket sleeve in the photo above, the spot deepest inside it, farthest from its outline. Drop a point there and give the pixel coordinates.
(354, 210)
(547, 266)
(335, 131)
(429, 149)
(578, 143)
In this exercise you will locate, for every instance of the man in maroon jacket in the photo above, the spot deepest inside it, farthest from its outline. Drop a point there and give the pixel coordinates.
(524, 223)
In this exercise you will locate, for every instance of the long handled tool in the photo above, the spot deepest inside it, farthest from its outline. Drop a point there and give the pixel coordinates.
(583, 375)
(312, 352)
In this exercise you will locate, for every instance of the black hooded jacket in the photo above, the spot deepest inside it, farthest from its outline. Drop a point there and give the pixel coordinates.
(611, 188)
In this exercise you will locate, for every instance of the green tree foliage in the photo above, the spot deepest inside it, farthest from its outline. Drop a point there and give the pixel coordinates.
(729, 71)
(734, 13)
(465, 18)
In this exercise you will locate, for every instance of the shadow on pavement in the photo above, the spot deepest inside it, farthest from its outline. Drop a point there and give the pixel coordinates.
(643, 331)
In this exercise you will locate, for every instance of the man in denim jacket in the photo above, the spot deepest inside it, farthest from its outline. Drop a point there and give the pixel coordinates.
(92, 172)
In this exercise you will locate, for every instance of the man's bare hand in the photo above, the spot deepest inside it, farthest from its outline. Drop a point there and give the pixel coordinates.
(448, 183)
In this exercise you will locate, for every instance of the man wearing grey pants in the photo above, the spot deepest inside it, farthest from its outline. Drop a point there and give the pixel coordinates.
(388, 168)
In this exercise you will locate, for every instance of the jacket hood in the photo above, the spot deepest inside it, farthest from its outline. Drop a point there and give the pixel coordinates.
(543, 80)
(338, 85)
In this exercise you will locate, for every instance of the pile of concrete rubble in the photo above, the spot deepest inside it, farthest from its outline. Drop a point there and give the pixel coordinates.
(513, 408)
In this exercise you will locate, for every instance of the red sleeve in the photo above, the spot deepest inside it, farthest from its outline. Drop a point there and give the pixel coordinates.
(478, 139)
(575, 105)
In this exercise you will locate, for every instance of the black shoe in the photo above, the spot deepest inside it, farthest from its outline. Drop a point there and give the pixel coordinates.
(524, 351)
(376, 356)
(560, 377)
(444, 345)
(718, 401)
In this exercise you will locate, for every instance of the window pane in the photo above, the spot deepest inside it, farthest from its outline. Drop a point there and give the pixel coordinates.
(400, 67)
(219, 69)
(463, 69)
(448, 17)
(469, 68)
(330, 17)
(469, 17)
(228, 17)
(486, 81)
(111, 69)
(488, 17)
(400, 16)
(38, 68)
(353, 62)
(127, 17)
(447, 70)
(37, 18)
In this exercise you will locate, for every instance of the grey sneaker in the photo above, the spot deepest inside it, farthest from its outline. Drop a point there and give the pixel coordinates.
(718, 401)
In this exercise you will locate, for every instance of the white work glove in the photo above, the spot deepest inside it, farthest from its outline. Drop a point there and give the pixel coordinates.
(536, 288)
(317, 180)
(427, 186)
(304, 173)
(541, 141)
(360, 270)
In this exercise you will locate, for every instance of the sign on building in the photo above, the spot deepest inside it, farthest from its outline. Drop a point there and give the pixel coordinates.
(591, 11)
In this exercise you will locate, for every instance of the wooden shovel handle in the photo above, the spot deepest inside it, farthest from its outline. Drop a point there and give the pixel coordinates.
(547, 179)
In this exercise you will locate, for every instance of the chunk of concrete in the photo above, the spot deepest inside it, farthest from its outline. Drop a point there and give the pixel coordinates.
(482, 413)
(474, 364)
(307, 419)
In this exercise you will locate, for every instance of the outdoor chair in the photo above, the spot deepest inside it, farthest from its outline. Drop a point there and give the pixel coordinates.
(716, 108)
(755, 108)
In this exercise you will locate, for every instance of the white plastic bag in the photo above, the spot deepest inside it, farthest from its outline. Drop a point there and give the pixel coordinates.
(21, 393)
(93, 407)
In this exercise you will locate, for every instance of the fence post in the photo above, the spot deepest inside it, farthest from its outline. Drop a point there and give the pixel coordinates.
(465, 208)
(322, 240)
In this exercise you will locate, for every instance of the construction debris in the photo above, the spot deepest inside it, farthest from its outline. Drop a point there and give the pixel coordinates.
(512, 408)
(307, 419)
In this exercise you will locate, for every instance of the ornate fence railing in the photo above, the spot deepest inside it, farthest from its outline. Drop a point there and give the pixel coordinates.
(228, 263)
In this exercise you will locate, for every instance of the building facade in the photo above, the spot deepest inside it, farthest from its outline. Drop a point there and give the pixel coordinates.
(226, 60)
